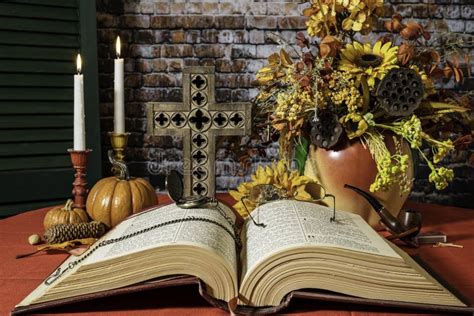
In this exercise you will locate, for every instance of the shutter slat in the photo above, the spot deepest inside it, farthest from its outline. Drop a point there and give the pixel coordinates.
(38, 12)
(54, 3)
(31, 66)
(39, 162)
(36, 107)
(31, 149)
(19, 182)
(35, 121)
(28, 135)
(37, 53)
(39, 39)
(36, 80)
(36, 94)
(43, 26)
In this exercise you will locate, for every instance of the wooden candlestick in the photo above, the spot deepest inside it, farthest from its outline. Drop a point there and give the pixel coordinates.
(79, 163)
(119, 143)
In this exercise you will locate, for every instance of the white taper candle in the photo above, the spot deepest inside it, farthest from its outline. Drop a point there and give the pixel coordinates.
(119, 110)
(79, 116)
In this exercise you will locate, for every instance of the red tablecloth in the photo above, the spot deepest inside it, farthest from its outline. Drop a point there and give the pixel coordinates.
(18, 277)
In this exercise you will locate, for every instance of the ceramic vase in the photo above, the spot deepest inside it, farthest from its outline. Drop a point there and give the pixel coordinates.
(351, 163)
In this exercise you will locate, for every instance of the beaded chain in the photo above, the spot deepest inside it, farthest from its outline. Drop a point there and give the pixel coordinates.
(235, 235)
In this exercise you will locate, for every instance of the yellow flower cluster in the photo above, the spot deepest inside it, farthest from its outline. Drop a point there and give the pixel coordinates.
(278, 175)
(342, 91)
(411, 130)
(290, 105)
(441, 177)
(441, 150)
(356, 15)
(392, 170)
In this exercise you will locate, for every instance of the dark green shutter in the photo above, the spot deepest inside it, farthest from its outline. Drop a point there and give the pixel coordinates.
(39, 40)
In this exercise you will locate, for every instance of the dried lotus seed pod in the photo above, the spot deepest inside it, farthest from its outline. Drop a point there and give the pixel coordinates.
(400, 92)
(326, 129)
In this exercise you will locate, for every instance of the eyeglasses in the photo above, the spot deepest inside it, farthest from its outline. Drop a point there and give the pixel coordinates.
(265, 193)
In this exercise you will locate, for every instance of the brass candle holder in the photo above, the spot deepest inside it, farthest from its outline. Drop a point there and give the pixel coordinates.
(119, 143)
(79, 163)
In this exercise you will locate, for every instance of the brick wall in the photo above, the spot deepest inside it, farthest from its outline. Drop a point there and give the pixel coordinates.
(161, 37)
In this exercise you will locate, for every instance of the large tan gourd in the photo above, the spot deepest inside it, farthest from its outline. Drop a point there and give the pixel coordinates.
(113, 199)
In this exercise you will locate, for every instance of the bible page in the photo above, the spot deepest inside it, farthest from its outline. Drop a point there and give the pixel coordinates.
(292, 223)
(198, 232)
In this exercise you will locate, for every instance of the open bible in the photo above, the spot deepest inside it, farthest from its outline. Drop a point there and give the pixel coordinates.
(299, 248)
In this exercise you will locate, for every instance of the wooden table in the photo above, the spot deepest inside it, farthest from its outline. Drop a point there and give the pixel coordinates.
(18, 277)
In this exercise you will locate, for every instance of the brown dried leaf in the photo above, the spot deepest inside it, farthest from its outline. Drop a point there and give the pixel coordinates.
(431, 58)
(301, 40)
(305, 81)
(279, 125)
(285, 59)
(436, 72)
(405, 53)
(309, 11)
(447, 72)
(467, 61)
(300, 66)
(329, 46)
(274, 59)
(385, 38)
(395, 25)
(463, 142)
(412, 31)
(308, 60)
(457, 71)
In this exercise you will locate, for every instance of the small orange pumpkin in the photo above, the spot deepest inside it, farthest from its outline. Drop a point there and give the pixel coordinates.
(65, 214)
(113, 199)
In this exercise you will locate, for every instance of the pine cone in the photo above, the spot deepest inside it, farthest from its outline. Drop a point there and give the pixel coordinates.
(400, 92)
(326, 129)
(65, 232)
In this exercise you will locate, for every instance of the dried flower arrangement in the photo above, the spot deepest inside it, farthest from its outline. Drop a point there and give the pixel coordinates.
(341, 89)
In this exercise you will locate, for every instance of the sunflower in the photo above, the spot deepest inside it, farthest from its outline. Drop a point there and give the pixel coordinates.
(291, 182)
(366, 62)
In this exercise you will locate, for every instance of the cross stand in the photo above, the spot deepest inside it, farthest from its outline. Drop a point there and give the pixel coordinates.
(198, 120)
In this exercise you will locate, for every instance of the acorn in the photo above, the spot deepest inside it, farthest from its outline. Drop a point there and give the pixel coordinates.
(34, 239)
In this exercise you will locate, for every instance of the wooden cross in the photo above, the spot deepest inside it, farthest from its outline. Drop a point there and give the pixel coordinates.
(198, 120)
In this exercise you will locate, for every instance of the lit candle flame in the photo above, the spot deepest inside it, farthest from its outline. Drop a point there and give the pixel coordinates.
(117, 46)
(79, 63)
